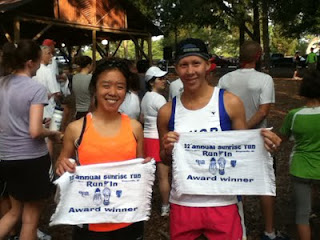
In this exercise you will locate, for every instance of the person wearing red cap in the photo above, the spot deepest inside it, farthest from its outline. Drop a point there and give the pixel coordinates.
(217, 217)
(62, 81)
(256, 90)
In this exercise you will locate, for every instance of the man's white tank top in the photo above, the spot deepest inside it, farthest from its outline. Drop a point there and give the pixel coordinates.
(213, 117)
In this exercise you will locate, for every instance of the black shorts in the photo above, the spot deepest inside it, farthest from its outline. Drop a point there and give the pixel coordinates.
(27, 180)
(3, 189)
(131, 232)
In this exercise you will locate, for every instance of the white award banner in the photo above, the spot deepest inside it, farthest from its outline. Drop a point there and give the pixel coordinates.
(223, 163)
(105, 193)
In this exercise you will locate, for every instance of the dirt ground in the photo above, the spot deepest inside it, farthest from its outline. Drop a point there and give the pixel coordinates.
(157, 227)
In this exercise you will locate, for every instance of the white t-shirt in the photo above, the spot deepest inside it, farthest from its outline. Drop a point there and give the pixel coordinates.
(150, 105)
(252, 87)
(175, 88)
(131, 106)
(47, 78)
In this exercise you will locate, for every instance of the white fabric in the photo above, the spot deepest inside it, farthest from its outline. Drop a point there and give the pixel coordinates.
(64, 88)
(227, 162)
(253, 87)
(54, 66)
(175, 88)
(64, 85)
(55, 69)
(131, 105)
(46, 77)
(204, 119)
(150, 105)
(105, 193)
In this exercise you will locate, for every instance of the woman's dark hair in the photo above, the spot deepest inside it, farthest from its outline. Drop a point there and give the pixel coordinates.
(108, 65)
(135, 82)
(149, 83)
(16, 55)
(310, 86)
(142, 66)
(82, 61)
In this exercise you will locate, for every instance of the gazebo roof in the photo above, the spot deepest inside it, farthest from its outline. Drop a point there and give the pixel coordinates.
(112, 19)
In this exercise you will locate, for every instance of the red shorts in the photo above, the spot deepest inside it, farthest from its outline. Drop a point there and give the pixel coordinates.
(218, 223)
(152, 148)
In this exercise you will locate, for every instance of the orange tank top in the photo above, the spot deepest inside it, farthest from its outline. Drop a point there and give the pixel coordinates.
(95, 149)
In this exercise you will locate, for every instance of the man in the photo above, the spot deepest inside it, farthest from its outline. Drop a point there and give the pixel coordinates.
(256, 90)
(312, 60)
(216, 217)
(46, 77)
(62, 81)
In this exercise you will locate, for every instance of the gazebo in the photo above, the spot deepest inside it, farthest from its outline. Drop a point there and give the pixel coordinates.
(77, 22)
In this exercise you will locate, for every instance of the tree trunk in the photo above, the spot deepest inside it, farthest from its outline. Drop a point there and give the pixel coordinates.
(256, 21)
(265, 31)
(241, 33)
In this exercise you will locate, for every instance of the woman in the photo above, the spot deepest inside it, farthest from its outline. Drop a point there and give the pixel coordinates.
(303, 125)
(24, 158)
(104, 125)
(150, 105)
(80, 85)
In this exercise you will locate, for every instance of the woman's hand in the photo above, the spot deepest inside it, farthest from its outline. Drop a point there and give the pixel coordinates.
(168, 141)
(271, 140)
(65, 165)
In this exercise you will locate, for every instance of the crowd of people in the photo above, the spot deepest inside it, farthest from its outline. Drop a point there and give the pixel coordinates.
(123, 103)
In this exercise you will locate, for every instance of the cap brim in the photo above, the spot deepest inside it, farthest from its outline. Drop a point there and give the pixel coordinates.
(202, 55)
(158, 74)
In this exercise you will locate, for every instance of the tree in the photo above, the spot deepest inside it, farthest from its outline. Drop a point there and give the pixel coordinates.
(297, 17)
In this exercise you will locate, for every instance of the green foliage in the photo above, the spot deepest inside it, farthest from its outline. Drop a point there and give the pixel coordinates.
(217, 22)
(297, 17)
(281, 44)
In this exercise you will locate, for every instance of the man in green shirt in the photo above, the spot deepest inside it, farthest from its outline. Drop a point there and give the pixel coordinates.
(312, 60)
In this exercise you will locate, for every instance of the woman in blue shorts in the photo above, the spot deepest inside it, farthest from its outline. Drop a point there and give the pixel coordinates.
(24, 159)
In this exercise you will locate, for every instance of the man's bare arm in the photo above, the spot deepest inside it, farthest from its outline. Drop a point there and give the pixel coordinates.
(259, 116)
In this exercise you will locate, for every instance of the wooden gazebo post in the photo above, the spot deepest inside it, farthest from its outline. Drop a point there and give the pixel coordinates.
(150, 49)
(16, 29)
(94, 47)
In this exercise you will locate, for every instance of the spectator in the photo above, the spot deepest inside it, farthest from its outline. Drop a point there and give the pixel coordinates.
(131, 103)
(142, 67)
(312, 60)
(302, 126)
(256, 90)
(24, 161)
(150, 105)
(80, 85)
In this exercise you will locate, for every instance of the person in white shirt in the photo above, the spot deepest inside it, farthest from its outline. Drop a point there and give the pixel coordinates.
(46, 77)
(131, 105)
(62, 80)
(150, 105)
(175, 88)
(256, 90)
